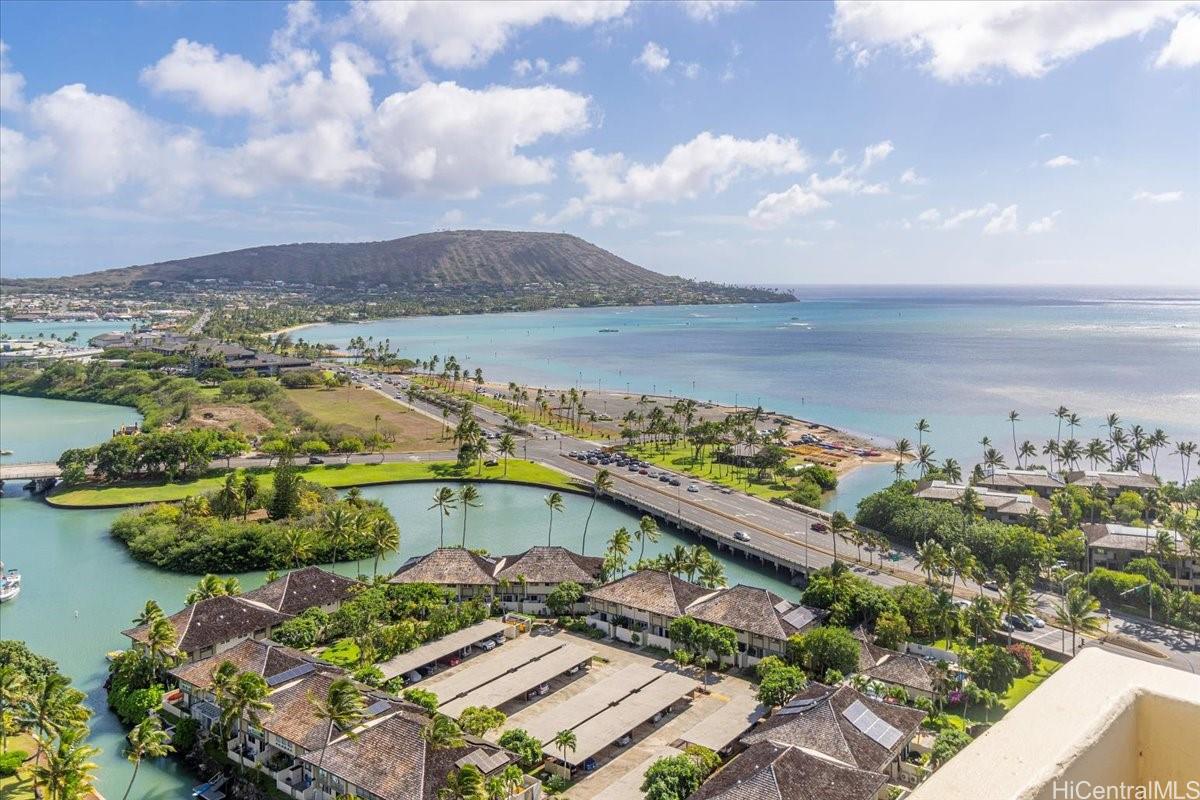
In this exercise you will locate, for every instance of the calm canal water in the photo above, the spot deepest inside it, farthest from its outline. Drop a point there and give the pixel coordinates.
(81, 588)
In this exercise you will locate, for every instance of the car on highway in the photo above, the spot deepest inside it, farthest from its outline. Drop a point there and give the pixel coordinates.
(676, 482)
(1019, 623)
(741, 536)
(664, 478)
(1034, 620)
(644, 471)
(727, 490)
(634, 468)
(693, 487)
(820, 527)
(315, 460)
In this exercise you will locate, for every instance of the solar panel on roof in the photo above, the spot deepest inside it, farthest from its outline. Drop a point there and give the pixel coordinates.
(798, 616)
(869, 724)
(290, 674)
(378, 707)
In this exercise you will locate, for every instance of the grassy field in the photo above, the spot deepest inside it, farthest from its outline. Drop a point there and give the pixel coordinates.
(1016, 693)
(347, 407)
(554, 422)
(680, 459)
(336, 476)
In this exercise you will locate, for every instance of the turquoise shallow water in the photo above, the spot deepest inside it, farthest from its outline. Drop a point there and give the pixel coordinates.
(81, 589)
(871, 361)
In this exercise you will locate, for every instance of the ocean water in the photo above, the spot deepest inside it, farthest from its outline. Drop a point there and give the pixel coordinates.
(870, 360)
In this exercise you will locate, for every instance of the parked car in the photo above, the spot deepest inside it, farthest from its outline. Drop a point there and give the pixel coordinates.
(590, 764)
(991, 584)
(1034, 620)
(741, 536)
(624, 740)
(412, 677)
(488, 644)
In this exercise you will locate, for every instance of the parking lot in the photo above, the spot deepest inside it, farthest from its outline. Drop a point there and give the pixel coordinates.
(612, 762)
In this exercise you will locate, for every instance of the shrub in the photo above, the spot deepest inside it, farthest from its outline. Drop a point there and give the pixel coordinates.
(423, 698)
(186, 732)
(1025, 656)
(11, 761)
(807, 493)
(133, 706)
(947, 744)
(824, 649)
(527, 749)
(992, 667)
(779, 684)
(821, 476)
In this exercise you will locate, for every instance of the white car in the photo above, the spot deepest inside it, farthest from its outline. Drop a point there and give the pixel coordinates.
(693, 488)
(487, 644)
(741, 536)
(1034, 620)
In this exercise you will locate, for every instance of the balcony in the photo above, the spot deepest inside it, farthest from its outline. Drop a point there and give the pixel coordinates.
(173, 704)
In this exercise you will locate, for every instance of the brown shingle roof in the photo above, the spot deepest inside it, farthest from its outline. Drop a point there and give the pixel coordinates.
(304, 588)
(813, 719)
(392, 760)
(544, 564)
(769, 771)
(749, 608)
(210, 622)
(264, 657)
(651, 590)
(293, 717)
(903, 670)
(448, 565)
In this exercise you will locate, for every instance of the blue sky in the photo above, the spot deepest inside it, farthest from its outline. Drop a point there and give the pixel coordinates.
(739, 141)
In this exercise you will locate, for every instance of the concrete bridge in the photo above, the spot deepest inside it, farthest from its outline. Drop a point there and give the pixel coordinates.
(29, 470)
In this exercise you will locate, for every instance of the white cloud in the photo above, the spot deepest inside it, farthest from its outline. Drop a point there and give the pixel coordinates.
(522, 67)
(449, 139)
(1142, 196)
(459, 34)
(709, 10)
(1043, 137)
(837, 156)
(540, 67)
(930, 216)
(690, 70)
(12, 84)
(220, 84)
(1045, 224)
(874, 154)
(1004, 222)
(705, 164)
(654, 58)
(970, 41)
(452, 217)
(911, 178)
(671, 234)
(572, 66)
(846, 182)
(1061, 161)
(1183, 48)
(777, 208)
(523, 199)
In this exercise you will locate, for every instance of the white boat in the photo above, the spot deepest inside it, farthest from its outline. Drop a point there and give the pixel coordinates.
(10, 583)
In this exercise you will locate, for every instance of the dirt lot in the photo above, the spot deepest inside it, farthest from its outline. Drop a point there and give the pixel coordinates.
(355, 410)
(238, 418)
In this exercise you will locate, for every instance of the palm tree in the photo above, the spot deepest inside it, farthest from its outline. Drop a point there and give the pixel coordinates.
(931, 558)
(647, 531)
(161, 640)
(961, 562)
(51, 709)
(208, 587)
(1060, 413)
(385, 538)
(554, 502)
(1077, 611)
(12, 694)
(1015, 600)
(443, 733)
(444, 501)
(952, 470)
(1013, 418)
(465, 783)
(470, 498)
(230, 495)
(243, 701)
(601, 484)
(146, 740)
(712, 573)
(839, 525)
(507, 446)
(342, 706)
(925, 459)
(619, 548)
(922, 428)
(339, 525)
(1028, 450)
(297, 546)
(150, 612)
(66, 771)
(563, 741)
(903, 450)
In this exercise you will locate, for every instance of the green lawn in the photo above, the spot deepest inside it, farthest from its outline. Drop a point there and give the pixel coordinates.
(1015, 694)
(680, 458)
(336, 476)
(554, 422)
(342, 653)
(19, 786)
(356, 409)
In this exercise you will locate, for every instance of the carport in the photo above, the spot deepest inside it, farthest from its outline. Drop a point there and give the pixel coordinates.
(441, 648)
(489, 666)
(521, 680)
(591, 701)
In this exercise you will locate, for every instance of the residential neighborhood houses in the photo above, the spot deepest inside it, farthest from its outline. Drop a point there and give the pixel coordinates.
(201, 353)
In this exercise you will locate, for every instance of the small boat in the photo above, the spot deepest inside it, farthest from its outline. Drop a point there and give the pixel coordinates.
(10, 583)
(610, 330)
(6, 452)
